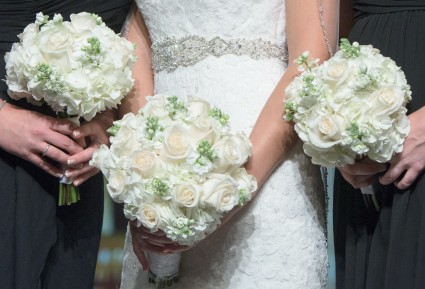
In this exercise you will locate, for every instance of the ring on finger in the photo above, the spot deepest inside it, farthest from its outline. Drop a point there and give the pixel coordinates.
(44, 153)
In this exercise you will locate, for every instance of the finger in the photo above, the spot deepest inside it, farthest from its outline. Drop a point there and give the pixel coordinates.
(91, 129)
(63, 143)
(53, 153)
(364, 168)
(146, 230)
(365, 182)
(63, 126)
(45, 165)
(176, 248)
(407, 180)
(84, 177)
(156, 240)
(145, 246)
(140, 254)
(83, 156)
(358, 181)
(392, 174)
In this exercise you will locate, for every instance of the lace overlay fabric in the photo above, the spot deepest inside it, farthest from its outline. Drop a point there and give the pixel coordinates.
(278, 240)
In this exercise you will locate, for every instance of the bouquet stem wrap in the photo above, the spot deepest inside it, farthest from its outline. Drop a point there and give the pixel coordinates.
(163, 269)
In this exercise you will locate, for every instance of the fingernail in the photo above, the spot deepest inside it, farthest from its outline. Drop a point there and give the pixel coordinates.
(76, 183)
(59, 176)
(70, 162)
(67, 174)
(76, 133)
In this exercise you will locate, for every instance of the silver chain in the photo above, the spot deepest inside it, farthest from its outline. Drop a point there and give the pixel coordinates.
(322, 23)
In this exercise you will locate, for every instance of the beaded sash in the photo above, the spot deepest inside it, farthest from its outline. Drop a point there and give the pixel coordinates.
(172, 53)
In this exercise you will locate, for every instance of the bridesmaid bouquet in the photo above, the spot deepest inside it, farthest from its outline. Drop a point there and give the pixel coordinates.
(177, 167)
(351, 106)
(78, 68)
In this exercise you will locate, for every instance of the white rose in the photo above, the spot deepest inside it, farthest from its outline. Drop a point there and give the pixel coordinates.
(116, 185)
(386, 100)
(124, 142)
(203, 128)
(149, 215)
(198, 106)
(56, 43)
(83, 21)
(186, 195)
(176, 143)
(156, 106)
(336, 70)
(145, 162)
(324, 130)
(220, 192)
(232, 152)
(156, 216)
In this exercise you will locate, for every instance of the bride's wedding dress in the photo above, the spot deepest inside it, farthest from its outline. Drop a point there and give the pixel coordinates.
(233, 53)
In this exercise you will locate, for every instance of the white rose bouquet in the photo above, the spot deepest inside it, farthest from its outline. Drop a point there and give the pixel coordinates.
(351, 106)
(177, 167)
(78, 68)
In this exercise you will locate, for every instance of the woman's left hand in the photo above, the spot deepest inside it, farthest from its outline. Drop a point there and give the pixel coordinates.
(93, 134)
(407, 165)
(143, 240)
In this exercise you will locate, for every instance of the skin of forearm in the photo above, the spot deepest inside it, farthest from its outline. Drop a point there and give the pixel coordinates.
(142, 70)
(272, 137)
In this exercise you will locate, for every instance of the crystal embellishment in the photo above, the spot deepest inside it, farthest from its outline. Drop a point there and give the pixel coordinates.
(172, 52)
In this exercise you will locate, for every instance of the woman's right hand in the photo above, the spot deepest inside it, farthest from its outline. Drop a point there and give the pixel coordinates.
(362, 172)
(27, 134)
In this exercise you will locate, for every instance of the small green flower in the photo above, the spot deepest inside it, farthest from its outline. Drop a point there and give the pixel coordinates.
(243, 197)
(41, 19)
(349, 50)
(219, 115)
(160, 188)
(92, 51)
(113, 130)
(205, 150)
(290, 110)
(97, 18)
(49, 77)
(152, 126)
(355, 132)
(174, 105)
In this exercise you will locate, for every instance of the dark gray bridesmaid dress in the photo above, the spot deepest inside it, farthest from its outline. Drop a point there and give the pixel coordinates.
(385, 250)
(42, 245)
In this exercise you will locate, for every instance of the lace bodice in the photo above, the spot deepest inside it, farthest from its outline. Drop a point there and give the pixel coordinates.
(278, 240)
(227, 19)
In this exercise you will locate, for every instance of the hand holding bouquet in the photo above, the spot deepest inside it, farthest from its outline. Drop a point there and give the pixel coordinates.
(351, 106)
(78, 68)
(177, 167)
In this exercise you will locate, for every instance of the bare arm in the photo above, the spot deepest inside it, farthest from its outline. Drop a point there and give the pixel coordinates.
(272, 137)
(142, 71)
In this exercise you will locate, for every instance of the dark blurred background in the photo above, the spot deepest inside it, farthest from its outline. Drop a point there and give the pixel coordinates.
(108, 269)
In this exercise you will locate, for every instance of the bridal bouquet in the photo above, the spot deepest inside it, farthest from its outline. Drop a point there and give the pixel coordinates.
(351, 106)
(178, 168)
(78, 68)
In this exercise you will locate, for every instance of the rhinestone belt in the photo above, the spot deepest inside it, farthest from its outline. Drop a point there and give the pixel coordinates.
(172, 53)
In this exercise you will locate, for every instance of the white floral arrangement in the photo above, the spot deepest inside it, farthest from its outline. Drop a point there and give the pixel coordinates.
(80, 67)
(351, 106)
(176, 166)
